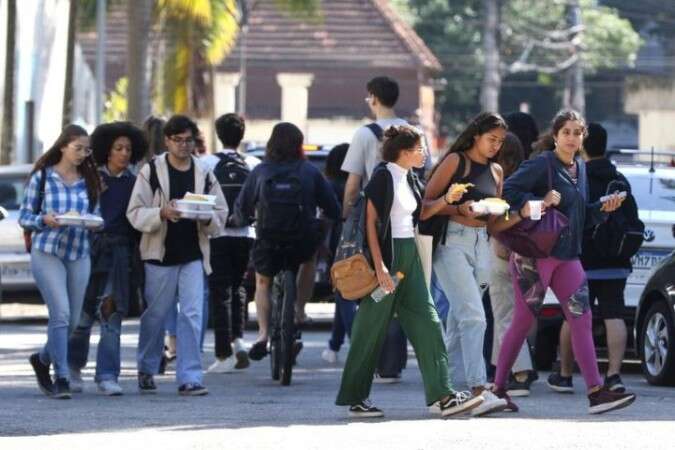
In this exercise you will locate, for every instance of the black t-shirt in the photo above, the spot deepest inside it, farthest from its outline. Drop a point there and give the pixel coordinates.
(182, 240)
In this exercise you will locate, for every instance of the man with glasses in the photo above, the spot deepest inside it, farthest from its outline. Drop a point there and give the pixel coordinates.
(175, 252)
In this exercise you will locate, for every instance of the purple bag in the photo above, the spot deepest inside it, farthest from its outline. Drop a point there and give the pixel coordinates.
(536, 238)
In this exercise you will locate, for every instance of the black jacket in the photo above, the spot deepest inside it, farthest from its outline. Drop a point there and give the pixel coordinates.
(380, 190)
(530, 182)
(601, 172)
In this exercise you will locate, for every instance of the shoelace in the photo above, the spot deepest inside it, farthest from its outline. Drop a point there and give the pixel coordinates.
(463, 396)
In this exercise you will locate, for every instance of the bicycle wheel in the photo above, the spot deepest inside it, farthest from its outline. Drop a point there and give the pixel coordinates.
(288, 326)
(275, 332)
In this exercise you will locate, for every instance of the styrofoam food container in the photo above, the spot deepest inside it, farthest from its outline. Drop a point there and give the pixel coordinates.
(483, 207)
(87, 220)
(197, 205)
(196, 215)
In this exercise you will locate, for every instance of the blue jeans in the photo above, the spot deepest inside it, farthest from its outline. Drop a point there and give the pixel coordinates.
(108, 350)
(163, 284)
(461, 267)
(345, 310)
(170, 324)
(62, 284)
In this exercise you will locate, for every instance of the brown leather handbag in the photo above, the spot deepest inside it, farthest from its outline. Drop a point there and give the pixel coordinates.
(352, 273)
(353, 277)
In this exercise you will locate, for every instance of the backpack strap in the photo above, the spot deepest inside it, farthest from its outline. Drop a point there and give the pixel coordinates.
(208, 184)
(376, 129)
(154, 180)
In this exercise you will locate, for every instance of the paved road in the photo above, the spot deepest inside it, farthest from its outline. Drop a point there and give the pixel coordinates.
(247, 410)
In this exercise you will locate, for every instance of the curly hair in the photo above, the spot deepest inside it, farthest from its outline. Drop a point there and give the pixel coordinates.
(104, 136)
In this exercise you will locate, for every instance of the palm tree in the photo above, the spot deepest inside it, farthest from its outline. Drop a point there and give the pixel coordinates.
(7, 135)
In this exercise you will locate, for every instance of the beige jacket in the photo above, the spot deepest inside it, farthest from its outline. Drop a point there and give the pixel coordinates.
(144, 207)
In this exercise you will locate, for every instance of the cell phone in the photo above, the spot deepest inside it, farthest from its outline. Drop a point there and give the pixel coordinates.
(604, 198)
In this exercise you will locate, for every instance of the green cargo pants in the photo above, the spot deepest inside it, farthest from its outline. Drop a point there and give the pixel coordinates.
(416, 311)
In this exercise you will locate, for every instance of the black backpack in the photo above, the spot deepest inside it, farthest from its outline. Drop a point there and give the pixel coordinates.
(622, 234)
(280, 212)
(231, 172)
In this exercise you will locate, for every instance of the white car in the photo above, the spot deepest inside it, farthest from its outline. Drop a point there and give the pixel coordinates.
(15, 273)
(654, 192)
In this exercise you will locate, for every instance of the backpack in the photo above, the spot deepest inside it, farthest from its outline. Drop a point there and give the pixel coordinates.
(352, 273)
(280, 212)
(231, 172)
(622, 234)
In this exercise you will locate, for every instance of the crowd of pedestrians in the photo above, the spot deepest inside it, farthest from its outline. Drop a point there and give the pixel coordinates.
(276, 214)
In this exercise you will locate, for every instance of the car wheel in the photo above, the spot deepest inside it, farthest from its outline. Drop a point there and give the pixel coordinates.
(657, 339)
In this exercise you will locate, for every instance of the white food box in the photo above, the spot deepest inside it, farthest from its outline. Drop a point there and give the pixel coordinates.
(483, 207)
(86, 221)
(188, 206)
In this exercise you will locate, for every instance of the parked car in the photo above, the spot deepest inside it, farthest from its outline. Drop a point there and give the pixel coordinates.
(654, 192)
(16, 279)
(655, 325)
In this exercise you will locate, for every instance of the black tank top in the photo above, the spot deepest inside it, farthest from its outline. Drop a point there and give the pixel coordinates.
(484, 182)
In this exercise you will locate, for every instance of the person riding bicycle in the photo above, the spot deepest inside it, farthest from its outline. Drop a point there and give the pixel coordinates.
(281, 196)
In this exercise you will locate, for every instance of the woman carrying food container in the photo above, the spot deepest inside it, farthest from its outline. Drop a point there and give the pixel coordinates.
(114, 268)
(393, 205)
(554, 183)
(461, 260)
(59, 206)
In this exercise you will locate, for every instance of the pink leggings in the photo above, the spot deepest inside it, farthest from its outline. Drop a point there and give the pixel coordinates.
(567, 279)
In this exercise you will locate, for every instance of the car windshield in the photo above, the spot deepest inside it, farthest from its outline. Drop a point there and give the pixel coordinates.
(654, 192)
(11, 191)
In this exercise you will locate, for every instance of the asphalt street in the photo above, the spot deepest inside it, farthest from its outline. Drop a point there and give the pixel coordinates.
(247, 410)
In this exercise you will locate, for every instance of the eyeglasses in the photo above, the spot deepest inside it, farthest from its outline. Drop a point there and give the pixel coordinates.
(81, 149)
(180, 141)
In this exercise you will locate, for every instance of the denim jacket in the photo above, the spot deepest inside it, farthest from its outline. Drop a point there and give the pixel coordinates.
(530, 182)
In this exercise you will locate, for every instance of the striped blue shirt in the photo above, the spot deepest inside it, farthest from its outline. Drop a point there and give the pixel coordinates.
(66, 242)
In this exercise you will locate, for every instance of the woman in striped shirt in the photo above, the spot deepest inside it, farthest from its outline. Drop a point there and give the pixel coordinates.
(64, 180)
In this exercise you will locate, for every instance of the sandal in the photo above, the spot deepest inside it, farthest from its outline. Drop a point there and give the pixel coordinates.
(258, 351)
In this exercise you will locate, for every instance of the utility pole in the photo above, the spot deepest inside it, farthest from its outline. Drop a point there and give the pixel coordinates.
(575, 77)
(243, 26)
(100, 57)
(492, 80)
(67, 115)
(7, 134)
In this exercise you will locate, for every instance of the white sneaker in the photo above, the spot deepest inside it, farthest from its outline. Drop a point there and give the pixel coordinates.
(329, 356)
(109, 387)
(491, 404)
(241, 354)
(222, 365)
(76, 381)
(435, 408)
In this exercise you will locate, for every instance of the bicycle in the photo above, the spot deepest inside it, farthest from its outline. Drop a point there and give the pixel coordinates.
(282, 326)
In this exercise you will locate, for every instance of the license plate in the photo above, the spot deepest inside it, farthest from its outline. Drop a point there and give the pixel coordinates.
(15, 272)
(643, 263)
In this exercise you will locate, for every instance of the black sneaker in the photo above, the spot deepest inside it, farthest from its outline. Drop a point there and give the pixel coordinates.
(258, 351)
(42, 374)
(146, 383)
(61, 389)
(517, 388)
(614, 384)
(560, 384)
(603, 400)
(297, 348)
(460, 402)
(192, 389)
(365, 409)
